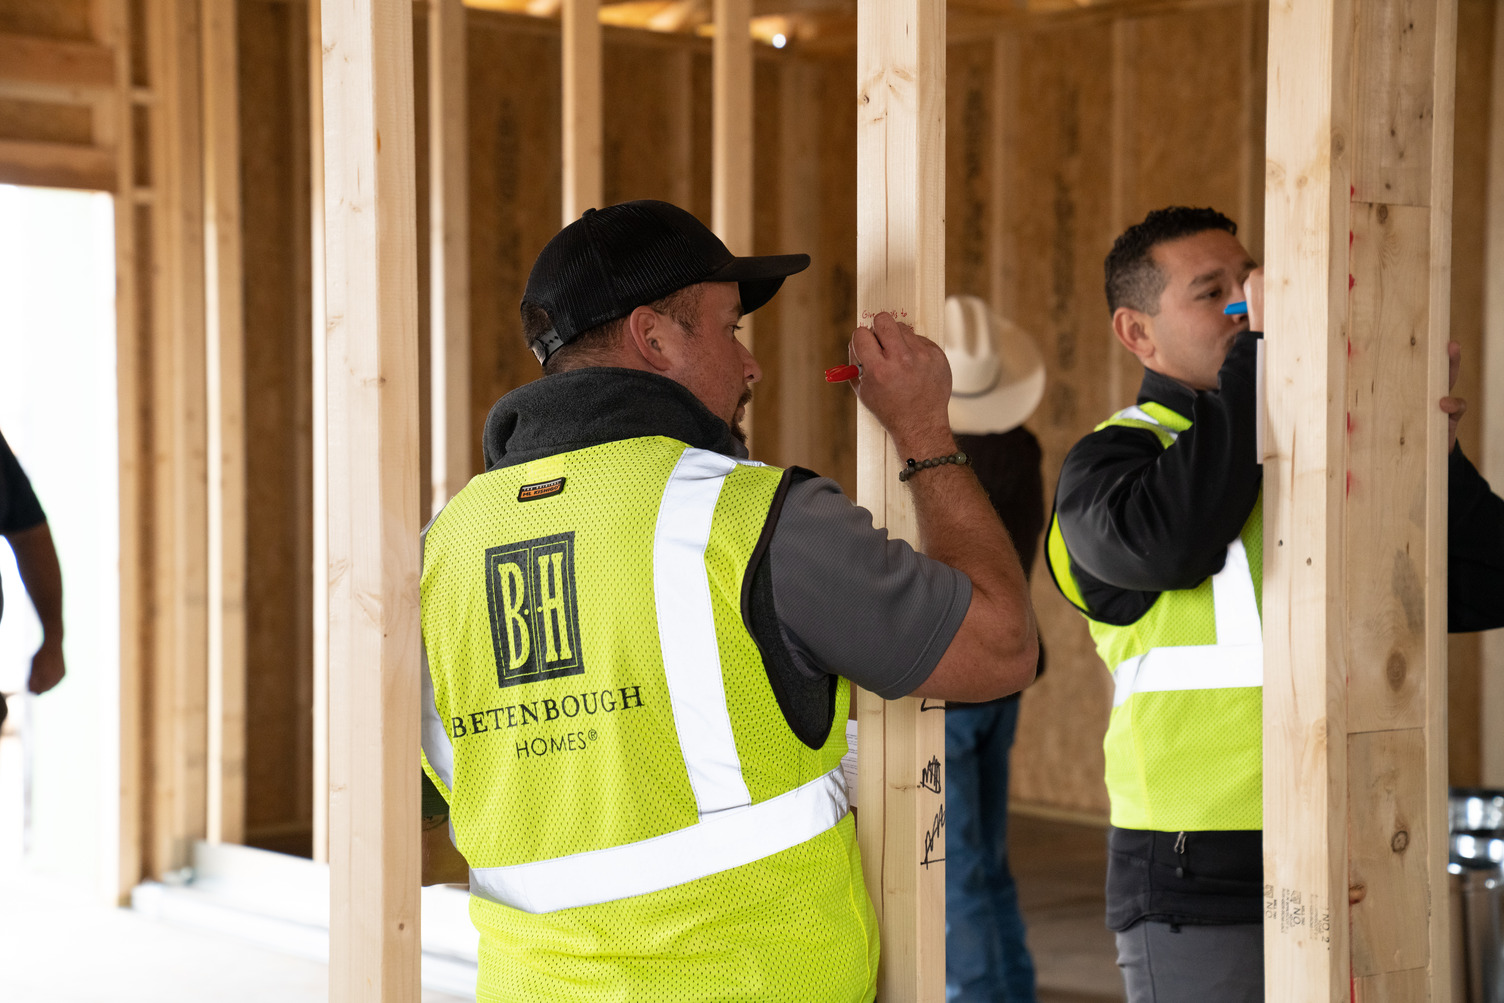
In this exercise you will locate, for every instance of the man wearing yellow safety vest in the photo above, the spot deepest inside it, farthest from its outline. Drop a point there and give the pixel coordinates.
(1157, 538)
(638, 642)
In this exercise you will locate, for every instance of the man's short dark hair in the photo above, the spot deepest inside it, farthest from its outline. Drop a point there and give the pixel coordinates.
(1133, 279)
(590, 347)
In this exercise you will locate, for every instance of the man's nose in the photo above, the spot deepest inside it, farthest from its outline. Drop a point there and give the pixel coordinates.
(751, 371)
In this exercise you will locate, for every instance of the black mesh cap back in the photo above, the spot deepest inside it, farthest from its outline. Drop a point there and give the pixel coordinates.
(610, 261)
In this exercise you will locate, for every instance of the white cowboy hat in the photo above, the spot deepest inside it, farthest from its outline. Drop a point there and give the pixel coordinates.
(997, 374)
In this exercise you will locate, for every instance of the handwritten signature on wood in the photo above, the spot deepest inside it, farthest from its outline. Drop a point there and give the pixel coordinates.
(931, 836)
(929, 779)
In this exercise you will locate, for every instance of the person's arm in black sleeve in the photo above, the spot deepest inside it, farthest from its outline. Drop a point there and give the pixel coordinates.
(24, 526)
(1475, 549)
(1147, 519)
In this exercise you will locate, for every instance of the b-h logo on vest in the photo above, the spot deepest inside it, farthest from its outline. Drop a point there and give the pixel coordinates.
(535, 619)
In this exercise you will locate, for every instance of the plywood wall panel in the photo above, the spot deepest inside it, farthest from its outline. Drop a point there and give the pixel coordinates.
(515, 164)
(641, 102)
(1189, 140)
(970, 165)
(805, 176)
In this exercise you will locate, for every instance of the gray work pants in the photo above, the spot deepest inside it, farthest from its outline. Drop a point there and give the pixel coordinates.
(1192, 964)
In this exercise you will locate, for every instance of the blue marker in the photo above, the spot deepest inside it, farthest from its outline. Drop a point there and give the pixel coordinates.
(1235, 309)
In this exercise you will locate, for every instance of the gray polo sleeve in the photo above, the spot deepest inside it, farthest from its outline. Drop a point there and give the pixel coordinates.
(854, 603)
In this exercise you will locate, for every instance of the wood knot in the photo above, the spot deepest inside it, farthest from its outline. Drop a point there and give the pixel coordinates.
(1356, 893)
(1400, 842)
(1395, 670)
(1383, 214)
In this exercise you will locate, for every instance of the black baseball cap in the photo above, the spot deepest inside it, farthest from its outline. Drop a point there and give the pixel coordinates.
(611, 261)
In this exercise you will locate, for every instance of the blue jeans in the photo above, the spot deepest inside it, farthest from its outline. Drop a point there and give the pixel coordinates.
(986, 958)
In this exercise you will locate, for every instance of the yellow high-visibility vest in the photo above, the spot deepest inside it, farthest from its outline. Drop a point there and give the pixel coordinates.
(639, 819)
(1184, 744)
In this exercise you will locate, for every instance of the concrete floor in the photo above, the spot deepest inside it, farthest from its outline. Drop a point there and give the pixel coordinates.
(1060, 868)
(57, 945)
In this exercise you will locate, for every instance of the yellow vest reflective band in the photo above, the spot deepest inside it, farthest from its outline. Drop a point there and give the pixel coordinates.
(620, 777)
(1184, 744)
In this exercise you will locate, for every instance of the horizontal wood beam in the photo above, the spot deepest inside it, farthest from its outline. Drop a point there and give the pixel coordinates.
(57, 165)
(25, 59)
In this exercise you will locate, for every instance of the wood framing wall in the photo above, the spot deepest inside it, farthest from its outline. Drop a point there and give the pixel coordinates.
(1061, 130)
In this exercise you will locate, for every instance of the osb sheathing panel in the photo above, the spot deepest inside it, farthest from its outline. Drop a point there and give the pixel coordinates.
(275, 194)
(806, 171)
(515, 166)
(1056, 224)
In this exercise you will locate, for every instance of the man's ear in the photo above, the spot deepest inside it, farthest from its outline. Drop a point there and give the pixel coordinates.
(649, 332)
(1135, 329)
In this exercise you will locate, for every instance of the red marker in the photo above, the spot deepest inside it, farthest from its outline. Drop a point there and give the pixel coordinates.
(840, 374)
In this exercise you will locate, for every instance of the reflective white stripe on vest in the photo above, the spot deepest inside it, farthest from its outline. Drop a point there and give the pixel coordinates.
(1139, 414)
(433, 736)
(716, 843)
(1237, 659)
(686, 631)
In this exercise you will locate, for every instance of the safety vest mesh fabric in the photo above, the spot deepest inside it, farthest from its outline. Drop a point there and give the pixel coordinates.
(1184, 744)
(639, 820)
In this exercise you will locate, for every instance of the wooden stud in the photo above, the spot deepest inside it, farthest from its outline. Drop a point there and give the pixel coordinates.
(304, 220)
(449, 251)
(123, 868)
(1491, 458)
(225, 368)
(180, 629)
(731, 125)
(582, 107)
(900, 269)
(319, 372)
(1358, 232)
(371, 303)
(57, 165)
(29, 60)
(731, 150)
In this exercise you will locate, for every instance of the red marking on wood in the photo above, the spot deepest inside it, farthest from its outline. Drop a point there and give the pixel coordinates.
(1351, 282)
(1352, 191)
(1349, 423)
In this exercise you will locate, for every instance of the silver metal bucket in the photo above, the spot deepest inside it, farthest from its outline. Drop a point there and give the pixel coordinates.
(1476, 867)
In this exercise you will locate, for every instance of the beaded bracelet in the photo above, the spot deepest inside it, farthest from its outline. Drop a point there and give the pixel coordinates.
(913, 466)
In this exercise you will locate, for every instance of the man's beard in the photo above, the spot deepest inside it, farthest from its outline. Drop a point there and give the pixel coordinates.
(736, 425)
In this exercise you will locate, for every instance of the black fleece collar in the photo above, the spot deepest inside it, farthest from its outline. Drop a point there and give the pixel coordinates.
(586, 407)
(1160, 389)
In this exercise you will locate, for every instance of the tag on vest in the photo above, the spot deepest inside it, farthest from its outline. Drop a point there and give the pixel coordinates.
(543, 489)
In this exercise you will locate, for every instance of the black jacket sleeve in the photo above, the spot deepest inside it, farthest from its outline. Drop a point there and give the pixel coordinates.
(1140, 519)
(19, 508)
(1475, 549)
